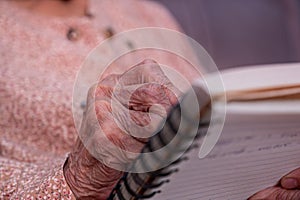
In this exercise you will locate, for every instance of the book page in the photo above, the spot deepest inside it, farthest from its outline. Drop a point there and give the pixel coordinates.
(257, 82)
(261, 77)
(254, 152)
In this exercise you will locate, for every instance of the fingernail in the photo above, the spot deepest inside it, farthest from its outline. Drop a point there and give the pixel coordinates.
(289, 183)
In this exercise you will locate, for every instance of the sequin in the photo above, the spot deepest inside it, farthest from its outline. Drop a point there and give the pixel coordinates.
(73, 34)
(109, 32)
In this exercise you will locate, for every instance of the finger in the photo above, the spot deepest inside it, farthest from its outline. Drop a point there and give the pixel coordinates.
(142, 113)
(112, 130)
(103, 89)
(100, 132)
(146, 110)
(142, 99)
(147, 71)
(138, 123)
(147, 95)
(276, 193)
(291, 180)
(109, 143)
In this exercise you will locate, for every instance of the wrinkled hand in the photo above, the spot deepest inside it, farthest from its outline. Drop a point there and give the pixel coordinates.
(287, 189)
(121, 114)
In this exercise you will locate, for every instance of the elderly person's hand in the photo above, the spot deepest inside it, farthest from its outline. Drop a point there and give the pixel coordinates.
(105, 122)
(287, 189)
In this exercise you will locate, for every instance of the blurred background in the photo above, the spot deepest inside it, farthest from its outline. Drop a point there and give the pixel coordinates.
(242, 32)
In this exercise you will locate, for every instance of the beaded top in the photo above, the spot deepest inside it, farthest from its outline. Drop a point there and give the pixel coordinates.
(39, 58)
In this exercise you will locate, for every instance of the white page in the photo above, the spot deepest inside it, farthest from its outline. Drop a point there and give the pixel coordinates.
(276, 107)
(253, 153)
(261, 76)
(256, 82)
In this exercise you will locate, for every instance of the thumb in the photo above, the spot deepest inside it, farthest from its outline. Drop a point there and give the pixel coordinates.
(291, 180)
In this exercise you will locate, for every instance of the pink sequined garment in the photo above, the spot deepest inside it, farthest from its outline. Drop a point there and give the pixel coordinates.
(39, 58)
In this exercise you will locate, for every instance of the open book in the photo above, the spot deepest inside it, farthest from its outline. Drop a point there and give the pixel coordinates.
(260, 141)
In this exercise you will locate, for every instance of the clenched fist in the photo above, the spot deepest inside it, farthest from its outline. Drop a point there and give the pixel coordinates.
(122, 112)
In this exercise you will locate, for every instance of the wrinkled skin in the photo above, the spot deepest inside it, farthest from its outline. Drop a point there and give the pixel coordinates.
(88, 177)
(288, 188)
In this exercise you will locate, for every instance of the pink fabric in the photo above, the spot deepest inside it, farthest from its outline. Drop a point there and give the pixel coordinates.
(38, 65)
